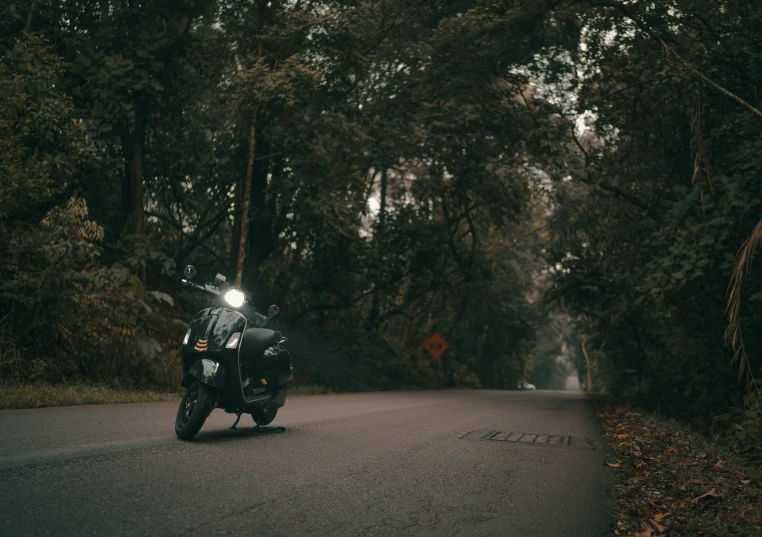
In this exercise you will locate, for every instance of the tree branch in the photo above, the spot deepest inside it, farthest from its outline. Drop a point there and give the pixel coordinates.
(671, 51)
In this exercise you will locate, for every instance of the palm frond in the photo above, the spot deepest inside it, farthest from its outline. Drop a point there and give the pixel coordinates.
(741, 267)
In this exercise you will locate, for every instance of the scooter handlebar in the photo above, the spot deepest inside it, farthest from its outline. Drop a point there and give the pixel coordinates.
(191, 284)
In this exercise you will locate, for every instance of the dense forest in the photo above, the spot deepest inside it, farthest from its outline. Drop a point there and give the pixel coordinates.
(555, 186)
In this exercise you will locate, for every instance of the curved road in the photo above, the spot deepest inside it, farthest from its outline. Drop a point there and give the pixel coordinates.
(438, 463)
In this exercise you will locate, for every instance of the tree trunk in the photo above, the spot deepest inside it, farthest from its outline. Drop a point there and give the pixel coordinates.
(262, 222)
(382, 206)
(104, 11)
(409, 325)
(522, 366)
(28, 25)
(236, 231)
(136, 185)
(378, 238)
(587, 361)
(245, 205)
(125, 205)
(448, 337)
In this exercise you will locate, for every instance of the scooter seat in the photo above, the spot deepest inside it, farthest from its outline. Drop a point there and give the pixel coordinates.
(256, 340)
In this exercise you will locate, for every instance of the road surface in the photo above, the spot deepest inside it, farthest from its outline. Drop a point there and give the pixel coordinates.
(385, 464)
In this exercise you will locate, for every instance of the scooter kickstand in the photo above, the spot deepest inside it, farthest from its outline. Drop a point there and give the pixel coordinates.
(236, 421)
(259, 429)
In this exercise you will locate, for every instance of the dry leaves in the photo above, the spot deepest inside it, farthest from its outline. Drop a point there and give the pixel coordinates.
(674, 483)
(711, 494)
(657, 527)
(651, 529)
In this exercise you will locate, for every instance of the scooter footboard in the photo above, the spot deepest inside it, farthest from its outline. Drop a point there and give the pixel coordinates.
(206, 372)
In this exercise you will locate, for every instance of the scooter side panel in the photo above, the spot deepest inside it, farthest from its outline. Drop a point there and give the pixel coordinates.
(206, 372)
(271, 368)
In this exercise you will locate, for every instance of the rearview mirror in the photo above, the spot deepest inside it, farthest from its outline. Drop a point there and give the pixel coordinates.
(190, 272)
(273, 310)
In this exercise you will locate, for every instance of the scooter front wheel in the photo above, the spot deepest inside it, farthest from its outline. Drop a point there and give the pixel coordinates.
(194, 409)
(264, 415)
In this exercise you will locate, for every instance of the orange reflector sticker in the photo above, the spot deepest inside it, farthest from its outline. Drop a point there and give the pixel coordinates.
(263, 381)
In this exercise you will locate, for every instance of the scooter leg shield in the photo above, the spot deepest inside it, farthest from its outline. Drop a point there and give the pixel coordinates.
(206, 372)
(279, 400)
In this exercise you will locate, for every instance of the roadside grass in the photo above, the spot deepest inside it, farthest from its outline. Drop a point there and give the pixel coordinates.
(16, 396)
(673, 482)
(309, 389)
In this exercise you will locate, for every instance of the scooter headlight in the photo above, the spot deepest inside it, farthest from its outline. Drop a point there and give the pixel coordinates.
(235, 298)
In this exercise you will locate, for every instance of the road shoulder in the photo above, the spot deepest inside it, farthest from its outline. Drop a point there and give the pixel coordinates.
(674, 482)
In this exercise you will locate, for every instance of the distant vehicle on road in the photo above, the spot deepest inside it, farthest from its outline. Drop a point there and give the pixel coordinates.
(229, 362)
(523, 385)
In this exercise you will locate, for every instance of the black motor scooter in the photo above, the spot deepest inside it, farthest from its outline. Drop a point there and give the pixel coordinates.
(229, 362)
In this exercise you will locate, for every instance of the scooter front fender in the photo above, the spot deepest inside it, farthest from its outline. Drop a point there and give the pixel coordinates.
(206, 372)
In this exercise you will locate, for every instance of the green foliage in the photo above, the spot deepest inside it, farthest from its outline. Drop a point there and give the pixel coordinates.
(41, 143)
(63, 314)
(663, 188)
(416, 168)
(742, 426)
(69, 316)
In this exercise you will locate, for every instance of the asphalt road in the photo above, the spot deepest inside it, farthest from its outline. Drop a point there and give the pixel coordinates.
(391, 464)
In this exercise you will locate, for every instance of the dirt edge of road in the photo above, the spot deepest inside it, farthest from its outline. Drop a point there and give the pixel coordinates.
(672, 482)
(20, 396)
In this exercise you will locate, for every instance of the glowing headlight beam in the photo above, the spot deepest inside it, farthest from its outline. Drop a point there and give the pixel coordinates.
(235, 298)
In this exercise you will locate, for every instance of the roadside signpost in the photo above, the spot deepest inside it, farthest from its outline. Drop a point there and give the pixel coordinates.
(436, 345)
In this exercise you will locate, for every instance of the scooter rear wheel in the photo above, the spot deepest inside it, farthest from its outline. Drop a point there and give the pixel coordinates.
(194, 409)
(264, 415)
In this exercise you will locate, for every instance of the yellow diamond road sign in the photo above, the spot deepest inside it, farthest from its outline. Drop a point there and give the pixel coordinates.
(436, 345)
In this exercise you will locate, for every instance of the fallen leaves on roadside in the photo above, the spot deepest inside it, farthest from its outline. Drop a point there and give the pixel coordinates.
(657, 527)
(651, 529)
(711, 494)
(673, 483)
